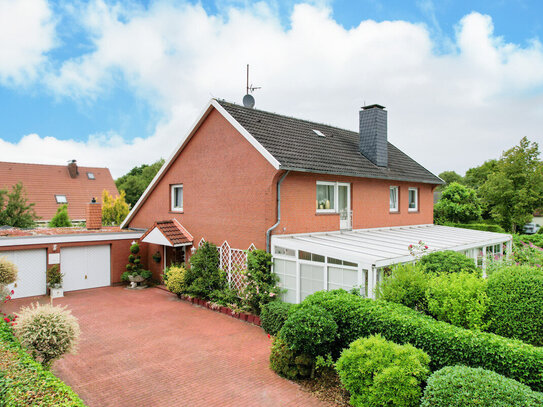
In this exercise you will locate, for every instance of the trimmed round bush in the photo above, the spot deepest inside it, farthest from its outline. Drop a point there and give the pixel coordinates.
(461, 386)
(8, 271)
(378, 372)
(309, 330)
(47, 331)
(287, 363)
(273, 316)
(459, 299)
(448, 261)
(406, 285)
(135, 248)
(176, 279)
(516, 303)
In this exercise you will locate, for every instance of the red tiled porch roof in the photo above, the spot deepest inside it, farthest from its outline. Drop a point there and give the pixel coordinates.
(173, 231)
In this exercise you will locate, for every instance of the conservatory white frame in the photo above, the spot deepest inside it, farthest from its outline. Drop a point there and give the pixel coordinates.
(373, 249)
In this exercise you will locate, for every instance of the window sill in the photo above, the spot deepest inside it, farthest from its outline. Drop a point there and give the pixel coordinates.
(394, 212)
(326, 213)
(413, 211)
(180, 211)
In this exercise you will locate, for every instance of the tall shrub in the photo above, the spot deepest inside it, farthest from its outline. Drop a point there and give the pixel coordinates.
(405, 285)
(378, 372)
(204, 275)
(516, 303)
(47, 331)
(461, 386)
(61, 218)
(458, 203)
(261, 283)
(114, 210)
(459, 299)
(448, 261)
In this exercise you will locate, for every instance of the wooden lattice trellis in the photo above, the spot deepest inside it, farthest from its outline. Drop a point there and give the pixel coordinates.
(233, 262)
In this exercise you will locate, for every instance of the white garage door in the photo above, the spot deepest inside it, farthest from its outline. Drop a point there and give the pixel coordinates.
(32, 269)
(85, 267)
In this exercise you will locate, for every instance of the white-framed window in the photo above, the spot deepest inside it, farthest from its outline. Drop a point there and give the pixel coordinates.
(394, 199)
(177, 198)
(413, 199)
(61, 199)
(332, 197)
(90, 175)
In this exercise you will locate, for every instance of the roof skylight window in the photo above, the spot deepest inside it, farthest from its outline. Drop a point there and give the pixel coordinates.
(90, 175)
(319, 133)
(61, 199)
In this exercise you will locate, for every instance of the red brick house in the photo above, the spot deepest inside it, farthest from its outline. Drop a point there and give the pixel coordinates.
(48, 186)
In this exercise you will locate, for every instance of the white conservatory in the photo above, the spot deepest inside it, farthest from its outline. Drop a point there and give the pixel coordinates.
(306, 263)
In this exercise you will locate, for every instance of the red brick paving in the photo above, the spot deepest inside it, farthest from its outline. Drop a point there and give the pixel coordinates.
(147, 348)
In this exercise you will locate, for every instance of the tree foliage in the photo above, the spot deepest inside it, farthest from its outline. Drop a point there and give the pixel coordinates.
(114, 210)
(136, 180)
(477, 176)
(61, 218)
(14, 208)
(515, 189)
(458, 204)
(449, 177)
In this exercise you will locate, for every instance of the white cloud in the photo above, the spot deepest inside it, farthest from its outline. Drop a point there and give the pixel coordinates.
(27, 32)
(448, 111)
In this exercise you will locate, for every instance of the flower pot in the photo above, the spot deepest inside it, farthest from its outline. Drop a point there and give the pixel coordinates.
(243, 316)
(56, 292)
(256, 320)
(135, 280)
(250, 318)
(225, 310)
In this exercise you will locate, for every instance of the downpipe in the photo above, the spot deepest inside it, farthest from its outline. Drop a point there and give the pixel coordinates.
(268, 232)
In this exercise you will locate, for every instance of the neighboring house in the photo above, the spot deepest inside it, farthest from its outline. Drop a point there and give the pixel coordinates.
(333, 206)
(48, 186)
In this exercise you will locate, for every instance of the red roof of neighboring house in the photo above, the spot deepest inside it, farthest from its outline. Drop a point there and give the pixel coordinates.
(42, 182)
(173, 231)
(15, 232)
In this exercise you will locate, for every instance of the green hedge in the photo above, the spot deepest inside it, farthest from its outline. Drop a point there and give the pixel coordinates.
(448, 261)
(478, 226)
(516, 303)
(273, 316)
(23, 381)
(446, 344)
(461, 386)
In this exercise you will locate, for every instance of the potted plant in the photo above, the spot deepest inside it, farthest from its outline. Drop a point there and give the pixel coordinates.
(54, 281)
(157, 257)
(135, 273)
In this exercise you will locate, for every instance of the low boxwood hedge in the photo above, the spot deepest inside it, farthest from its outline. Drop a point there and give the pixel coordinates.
(446, 344)
(273, 315)
(478, 226)
(461, 386)
(24, 382)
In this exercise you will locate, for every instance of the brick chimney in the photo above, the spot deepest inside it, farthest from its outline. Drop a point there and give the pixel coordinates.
(373, 134)
(72, 169)
(94, 215)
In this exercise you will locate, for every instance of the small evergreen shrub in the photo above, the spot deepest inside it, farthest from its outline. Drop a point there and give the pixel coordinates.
(406, 285)
(287, 363)
(61, 218)
(459, 299)
(378, 372)
(54, 276)
(204, 276)
(516, 303)
(461, 386)
(134, 268)
(448, 261)
(47, 331)
(446, 344)
(176, 280)
(273, 316)
(309, 330)
(8, 271)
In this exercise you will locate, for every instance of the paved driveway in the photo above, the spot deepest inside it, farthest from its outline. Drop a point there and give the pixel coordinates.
(147, 348)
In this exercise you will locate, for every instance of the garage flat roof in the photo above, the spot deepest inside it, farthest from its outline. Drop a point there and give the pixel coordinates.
(381, 247)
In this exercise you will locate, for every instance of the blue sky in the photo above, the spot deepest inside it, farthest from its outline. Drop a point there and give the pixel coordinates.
(73, 87)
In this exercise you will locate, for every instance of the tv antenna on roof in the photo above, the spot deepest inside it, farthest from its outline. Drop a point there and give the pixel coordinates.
(248, 99)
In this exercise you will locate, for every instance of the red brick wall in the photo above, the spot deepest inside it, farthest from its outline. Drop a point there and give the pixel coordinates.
(228, 188)
(369, 202)
(120, 249)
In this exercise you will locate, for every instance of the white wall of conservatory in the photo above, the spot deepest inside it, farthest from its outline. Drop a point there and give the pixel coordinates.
(306, 263)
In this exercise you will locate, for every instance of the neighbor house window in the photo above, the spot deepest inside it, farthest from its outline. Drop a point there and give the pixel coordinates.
(393, 199)
(413, 199)
(326, 196)
(61, 199)
(90, 175)
(177, 198)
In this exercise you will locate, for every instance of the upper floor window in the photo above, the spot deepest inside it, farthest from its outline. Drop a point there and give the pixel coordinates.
(393, 199)
(61, 199)
(413, 199)
(177, 197)
(326, 196)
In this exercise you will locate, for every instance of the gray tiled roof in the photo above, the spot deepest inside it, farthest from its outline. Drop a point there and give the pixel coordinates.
(296, 146)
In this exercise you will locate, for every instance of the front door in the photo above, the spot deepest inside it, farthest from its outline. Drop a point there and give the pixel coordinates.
(175, 255)
(344, 206)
